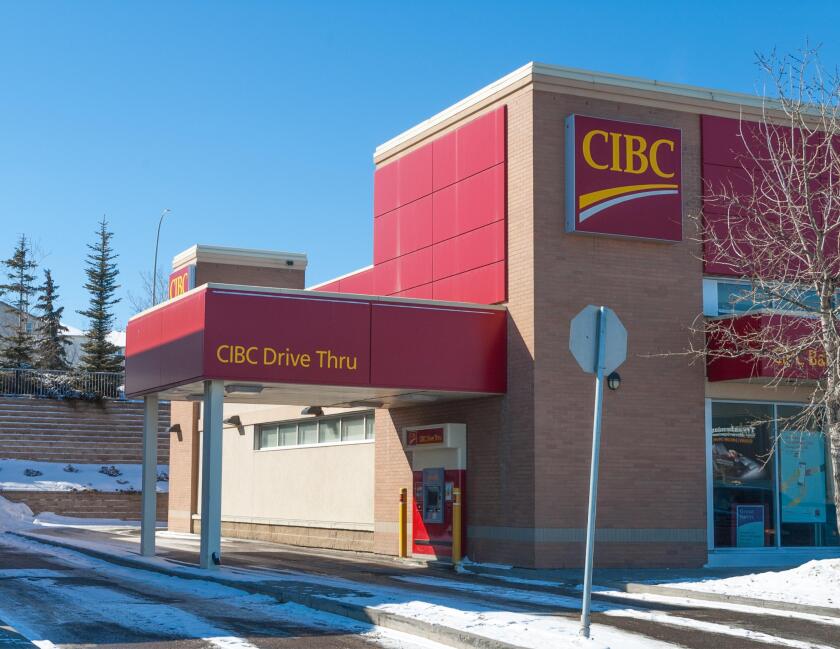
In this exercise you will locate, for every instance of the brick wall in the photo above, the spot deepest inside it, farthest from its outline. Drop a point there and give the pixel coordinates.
(652, 489)
(87, 504)
(52, 430)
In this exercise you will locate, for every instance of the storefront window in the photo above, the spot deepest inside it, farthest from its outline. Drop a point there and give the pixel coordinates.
(268, 436)
(805, 486)
(369, 421)
(743, 474)
(770, 470)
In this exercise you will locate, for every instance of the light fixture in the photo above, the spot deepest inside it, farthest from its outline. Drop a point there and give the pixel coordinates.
(614, 381)
(176, 428)
(418, 396)
(243, 388)
(195, 397)
(313, 410)
(233, 420)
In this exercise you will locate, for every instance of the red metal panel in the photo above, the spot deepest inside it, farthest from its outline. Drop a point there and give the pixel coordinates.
(471, 250)
(485, 285)
(385, 188)
(444, 160)
(415, 175)
(414, 269)
(414, 224)
(286, 338)
(385, 237)
(361, 282)
(469, 204)
(432, 347)
(481, 143)
(163, 347)
(386, 278)
(423, 292)
(331, 287)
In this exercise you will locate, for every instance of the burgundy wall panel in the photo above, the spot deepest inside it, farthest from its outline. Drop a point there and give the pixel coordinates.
(471, 250)
(414, 269)
(414, 226)
(361, 282)
(445, 160)
(481, 143)
(385, 237)
(385, 185)
(423, 292)
(450, 349)
(415, 175)
(485, 285)
(470, 204)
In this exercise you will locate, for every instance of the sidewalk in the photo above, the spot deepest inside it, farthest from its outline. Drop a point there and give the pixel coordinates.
(385, 591)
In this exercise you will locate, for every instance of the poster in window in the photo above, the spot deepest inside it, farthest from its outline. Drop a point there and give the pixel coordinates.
(737, 455)
(749, 526)
(802, 477)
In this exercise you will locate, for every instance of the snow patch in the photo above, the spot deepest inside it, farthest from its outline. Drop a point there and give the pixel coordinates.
(14, 516)
(58, 476)
(816, 583)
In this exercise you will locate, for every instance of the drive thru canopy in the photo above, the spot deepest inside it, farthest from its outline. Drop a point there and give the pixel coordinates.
(222, 342)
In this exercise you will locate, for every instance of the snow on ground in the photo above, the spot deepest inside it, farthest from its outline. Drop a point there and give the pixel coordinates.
(55, 476)
(14, 516)
(479, 615)
(816, 583)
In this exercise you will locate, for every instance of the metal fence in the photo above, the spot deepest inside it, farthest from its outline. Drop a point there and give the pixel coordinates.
(59, 384)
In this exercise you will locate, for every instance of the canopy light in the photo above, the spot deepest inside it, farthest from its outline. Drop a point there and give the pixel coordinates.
(195, 397)
(614, 381)
(419, 396)
(365, 404)
(244, 388)
(312, 410)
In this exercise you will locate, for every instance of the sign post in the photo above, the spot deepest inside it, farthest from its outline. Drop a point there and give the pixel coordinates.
(598, 341)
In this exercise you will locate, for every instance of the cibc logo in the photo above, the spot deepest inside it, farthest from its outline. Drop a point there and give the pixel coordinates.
(623, 179)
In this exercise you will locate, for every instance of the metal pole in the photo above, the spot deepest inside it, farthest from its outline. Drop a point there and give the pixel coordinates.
(154, 267)
(149, 502)
(593, 476)
(211, 475)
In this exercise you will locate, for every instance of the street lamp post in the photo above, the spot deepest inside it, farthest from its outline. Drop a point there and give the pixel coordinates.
(154, 268)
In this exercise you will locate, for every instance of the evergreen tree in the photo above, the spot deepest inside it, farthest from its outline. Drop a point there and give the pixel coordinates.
(18, 348)
(52, 352)
(98, 353)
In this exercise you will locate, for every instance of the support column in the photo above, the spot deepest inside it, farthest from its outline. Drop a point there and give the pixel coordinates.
(150, 458)
(211, 475)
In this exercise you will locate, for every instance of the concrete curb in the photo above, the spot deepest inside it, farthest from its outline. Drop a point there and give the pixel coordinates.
(427, 630)
(671, 591)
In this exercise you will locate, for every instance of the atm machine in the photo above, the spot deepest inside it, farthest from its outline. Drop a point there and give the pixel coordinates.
(438, 455)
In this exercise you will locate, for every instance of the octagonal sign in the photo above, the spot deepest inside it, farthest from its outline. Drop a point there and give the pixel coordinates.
(583, 340)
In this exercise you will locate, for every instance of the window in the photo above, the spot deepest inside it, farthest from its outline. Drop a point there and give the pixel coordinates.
(328, 430)
(352, 429)
(331, 429)
(287, 435)
(308, 432)
(732, 297)
(771, 478)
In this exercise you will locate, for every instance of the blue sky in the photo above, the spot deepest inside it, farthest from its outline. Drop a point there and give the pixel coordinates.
(255, 122)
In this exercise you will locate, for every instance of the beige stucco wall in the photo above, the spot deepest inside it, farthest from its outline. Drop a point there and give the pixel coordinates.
(327, 485)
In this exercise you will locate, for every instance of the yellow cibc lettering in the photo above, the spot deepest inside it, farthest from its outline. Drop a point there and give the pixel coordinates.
(654, 157)
(634, 149)
(223, 349)
(587, 148)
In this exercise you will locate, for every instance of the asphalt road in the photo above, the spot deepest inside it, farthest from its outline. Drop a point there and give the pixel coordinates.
(80, 604)
(56, 603)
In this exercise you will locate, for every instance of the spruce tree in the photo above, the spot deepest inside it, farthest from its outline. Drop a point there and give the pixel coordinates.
(18, 348)
(98, 353)
(52, 343)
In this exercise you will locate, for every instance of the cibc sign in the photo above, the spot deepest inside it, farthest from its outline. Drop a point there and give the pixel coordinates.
(181, 281)
(623, 179)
